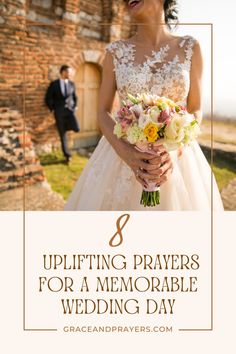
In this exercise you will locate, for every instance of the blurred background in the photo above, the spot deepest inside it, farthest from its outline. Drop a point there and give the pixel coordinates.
(37, 37)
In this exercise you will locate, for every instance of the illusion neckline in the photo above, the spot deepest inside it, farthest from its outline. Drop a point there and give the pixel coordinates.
(148, 57)
(154, 54)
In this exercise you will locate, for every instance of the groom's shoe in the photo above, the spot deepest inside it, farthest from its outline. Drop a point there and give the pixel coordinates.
(68, 160)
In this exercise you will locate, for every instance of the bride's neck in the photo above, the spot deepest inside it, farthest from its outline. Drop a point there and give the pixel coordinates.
(152, 34)
(152, 30)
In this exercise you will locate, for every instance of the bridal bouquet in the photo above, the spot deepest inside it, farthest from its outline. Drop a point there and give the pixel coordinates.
(146, 119)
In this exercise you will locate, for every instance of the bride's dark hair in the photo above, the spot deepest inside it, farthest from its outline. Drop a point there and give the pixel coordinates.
(171, 12)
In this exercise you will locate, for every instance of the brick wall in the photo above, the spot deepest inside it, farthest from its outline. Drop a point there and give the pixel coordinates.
(57, 32)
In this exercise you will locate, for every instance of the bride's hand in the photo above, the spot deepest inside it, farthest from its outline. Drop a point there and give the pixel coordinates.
(153, 167)
(162, 166)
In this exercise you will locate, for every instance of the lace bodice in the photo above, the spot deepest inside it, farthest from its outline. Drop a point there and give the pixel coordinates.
(165, 72)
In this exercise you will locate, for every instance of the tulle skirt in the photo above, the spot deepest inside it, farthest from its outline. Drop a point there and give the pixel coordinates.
(107, 183)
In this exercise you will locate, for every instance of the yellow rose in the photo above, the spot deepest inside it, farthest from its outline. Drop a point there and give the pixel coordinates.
(151, 131)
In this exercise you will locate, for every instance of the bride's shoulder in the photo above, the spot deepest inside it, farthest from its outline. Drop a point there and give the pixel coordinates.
(113, 46)
(121, 50)
(187, 41)
(192, 49)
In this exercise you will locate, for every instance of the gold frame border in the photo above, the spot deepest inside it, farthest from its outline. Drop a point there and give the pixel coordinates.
(27, 23)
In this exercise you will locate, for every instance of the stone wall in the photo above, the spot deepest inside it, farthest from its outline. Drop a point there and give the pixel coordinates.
(18, 161)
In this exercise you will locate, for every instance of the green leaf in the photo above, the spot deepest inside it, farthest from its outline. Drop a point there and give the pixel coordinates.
(132, 98)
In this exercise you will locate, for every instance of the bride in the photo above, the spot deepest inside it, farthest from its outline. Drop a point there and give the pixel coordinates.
(153, 61)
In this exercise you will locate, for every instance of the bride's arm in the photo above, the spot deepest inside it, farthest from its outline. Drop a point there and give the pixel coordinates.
(194, 101)
(136, 160)
(106, 98)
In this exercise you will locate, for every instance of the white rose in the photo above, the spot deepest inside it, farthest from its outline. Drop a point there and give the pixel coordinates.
(192, 131)
(175, 132)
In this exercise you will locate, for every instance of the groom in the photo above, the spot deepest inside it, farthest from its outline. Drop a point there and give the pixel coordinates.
(61, 98)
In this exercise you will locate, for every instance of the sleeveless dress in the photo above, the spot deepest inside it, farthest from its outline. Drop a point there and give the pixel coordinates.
(106, 182)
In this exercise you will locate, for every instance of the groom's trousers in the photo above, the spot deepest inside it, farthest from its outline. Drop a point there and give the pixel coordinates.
(65, 120)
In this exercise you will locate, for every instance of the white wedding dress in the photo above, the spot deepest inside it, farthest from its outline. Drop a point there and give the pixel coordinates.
(106, 182)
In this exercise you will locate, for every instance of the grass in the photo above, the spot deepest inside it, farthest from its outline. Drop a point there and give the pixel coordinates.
(224, 170)
(60, 176)
(223, 176)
